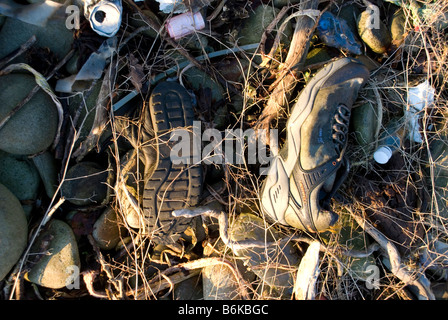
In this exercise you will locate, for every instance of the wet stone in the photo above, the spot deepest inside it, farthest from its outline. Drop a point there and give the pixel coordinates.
(32, 129)
(54, 36)
(107, 230)
(21, 177)
(86, 184)
(13, 231)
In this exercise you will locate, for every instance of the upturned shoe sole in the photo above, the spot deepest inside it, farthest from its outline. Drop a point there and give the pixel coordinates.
(171, 186)
(291, 195)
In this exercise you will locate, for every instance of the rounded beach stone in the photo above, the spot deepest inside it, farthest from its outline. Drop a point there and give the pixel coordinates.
(13, 231)
(54, 35)
(374, 32)
(85, 184)
(106, 230)
(33, 128)
(256, 24)
(57, 268)
(19, 175)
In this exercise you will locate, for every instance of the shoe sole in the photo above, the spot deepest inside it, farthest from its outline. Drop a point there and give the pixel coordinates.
(275, 197)
(171, 186)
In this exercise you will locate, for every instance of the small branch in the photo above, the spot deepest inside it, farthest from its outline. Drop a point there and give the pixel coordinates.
(105, 266)
(307, 274)
(89, 278)
(400, 270)
(160, 284)
(23, 48)
(286, 79)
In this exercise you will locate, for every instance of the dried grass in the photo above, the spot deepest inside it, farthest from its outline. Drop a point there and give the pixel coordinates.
(138, 270)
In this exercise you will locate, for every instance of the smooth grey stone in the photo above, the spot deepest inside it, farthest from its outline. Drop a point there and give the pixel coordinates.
(13, 231)
(107, 230)
(46, 166)
(33, 128)
(86, 184)
(20, 176)
(54, 36)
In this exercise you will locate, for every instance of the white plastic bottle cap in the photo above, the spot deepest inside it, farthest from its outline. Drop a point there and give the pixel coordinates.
(382, 155)
(184, 24)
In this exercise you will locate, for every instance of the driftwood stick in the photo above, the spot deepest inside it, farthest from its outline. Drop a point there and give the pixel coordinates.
(399, 269)
(286, 80)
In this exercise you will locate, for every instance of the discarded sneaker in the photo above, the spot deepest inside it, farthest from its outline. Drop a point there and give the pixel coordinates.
(167, 186)
(311, 166)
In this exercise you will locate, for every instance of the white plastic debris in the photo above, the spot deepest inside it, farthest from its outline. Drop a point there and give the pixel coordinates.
(35, 14)
(181, 6)
(92, 69)
(172, 6)
(419, 97)
(104, 16)
(184, 24)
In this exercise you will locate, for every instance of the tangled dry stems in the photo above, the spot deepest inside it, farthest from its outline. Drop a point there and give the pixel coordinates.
(336, 280)
(125, 274)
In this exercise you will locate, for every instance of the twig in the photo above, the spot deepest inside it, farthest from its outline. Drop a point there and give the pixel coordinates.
(24, 47)
(400, 270)
(217, 10)
(223, 227)
(101, 115)
(105, 266)
(285, 83)
(89, 278)
(158, 284)
(307, 274)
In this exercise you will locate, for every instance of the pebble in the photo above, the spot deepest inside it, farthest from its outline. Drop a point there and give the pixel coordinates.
(189, 289)
(366, 123)
(377, 39)
(106, 230)
(256, 24)
(351, 235)
(86, 184)
(439, 152)
(219, 283)
(32, 129)
(13, 230)
(46, 166)
(21, 177)
(54, 36)
(59, 266)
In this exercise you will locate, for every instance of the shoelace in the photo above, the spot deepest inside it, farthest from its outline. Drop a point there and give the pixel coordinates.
(340, 127)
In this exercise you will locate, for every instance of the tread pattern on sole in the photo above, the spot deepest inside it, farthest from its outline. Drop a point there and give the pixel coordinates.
(171, 186)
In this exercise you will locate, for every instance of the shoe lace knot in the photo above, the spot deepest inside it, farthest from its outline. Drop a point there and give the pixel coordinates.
(340, 127)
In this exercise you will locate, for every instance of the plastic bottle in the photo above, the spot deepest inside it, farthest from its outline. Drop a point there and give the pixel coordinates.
(390, 141)
(184, 24)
